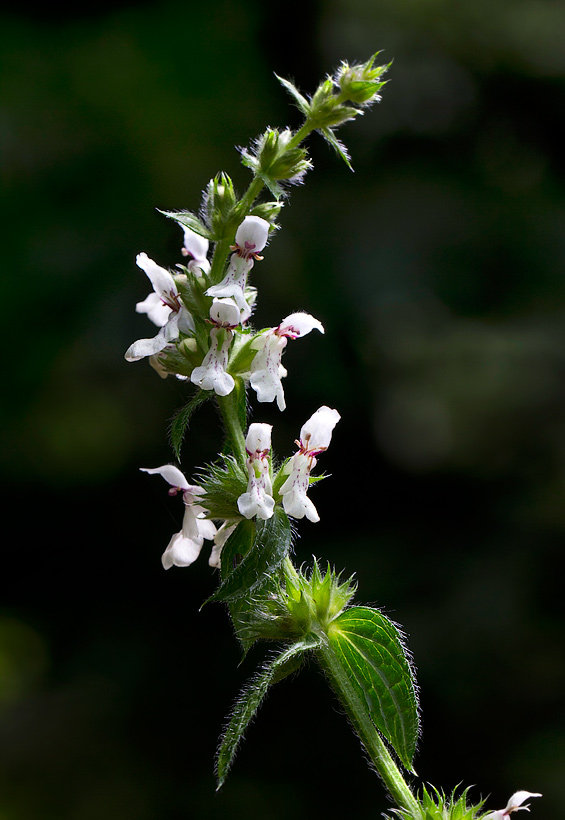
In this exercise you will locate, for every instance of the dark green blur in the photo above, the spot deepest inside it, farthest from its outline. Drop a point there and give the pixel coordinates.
(438, 271)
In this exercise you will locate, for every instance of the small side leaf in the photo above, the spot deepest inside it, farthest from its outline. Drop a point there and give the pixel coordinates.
(299, 99)
(338, 146)
(189, 220)
(180, 421)
(251, 698)
(369, 649)
(272, 543)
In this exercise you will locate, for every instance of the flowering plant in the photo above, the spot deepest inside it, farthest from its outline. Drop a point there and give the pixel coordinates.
(245, 503)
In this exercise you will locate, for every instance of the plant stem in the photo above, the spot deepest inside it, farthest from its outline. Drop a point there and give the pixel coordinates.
(300, 135)
(249, 197)
(369, 736)
(230, 408)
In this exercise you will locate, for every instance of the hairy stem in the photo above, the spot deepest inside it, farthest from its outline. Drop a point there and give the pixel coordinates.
(234, 422)
(369, 736)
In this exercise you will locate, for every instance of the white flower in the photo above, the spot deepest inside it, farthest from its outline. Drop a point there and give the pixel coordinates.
(163, 307)
(220, 539)
(514, 804)
(184, 547)
(250, 238)
(258, 499)
(315, 437)
(196, 247)
(211, 374)
(266, 368)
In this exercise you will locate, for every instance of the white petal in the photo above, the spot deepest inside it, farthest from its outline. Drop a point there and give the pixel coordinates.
(181, 552)
(299, 324)
(195, 245)
(234, 282)
(190, 527)
(162, 281)
(258, 437)
(266, 369)
(515, 802)
(211, 375)
(206, 529)
(172, 475)
(214, 560)
(252, 234)
(146, 347)
(295, 488)
(316, 433)
(297, 504)
(220, 539)
(225, 312)
(256, 504)
(155, 309)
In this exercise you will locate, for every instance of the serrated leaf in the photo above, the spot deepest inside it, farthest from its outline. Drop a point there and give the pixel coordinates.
(181, 420)
(270, 547)
(369, 648)
(236, 547)
(251, 698)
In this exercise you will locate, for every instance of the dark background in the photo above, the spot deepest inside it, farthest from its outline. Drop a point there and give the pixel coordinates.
(437, 269)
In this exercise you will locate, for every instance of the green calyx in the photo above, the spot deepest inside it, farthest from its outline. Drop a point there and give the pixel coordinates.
(274, 158)
(434, 805)
(220, 202)
(313, 601)
(295, 606)
(361, 83)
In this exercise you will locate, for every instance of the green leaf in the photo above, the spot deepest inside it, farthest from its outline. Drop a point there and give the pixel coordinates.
(370, 650)
(236, 547)
(180, 421)
(251, 698)
(223, 483)
(271, 545)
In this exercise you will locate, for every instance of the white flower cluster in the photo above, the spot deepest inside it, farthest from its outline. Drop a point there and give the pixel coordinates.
(315, 436)
(232, 303)
(230, 309)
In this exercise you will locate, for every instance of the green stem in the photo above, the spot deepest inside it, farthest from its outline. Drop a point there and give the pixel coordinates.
(231, 410)
(369, 736)
(221, 251)
(249, 197)
(300, 135)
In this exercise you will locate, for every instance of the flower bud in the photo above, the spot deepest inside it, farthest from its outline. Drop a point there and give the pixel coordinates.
(361, 83)
(326, 111)
(272, 160)
(219, 203)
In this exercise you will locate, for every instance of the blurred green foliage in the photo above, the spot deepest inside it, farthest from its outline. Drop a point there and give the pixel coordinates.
(438, 272)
